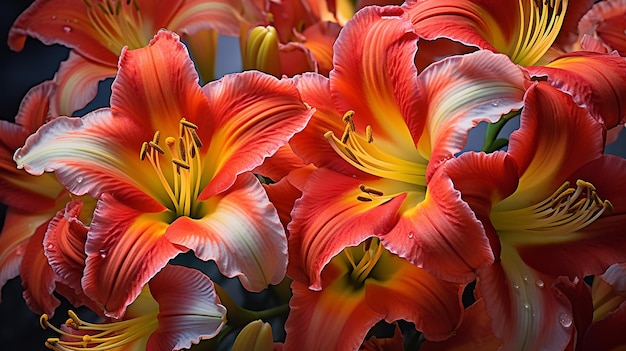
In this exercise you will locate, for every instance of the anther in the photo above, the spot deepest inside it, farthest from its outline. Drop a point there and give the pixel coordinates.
(346, 135)
(181, 149)
(328, 134)
(180, 163)
(608, 205)
(363, 198)
(43, 321)
(156, 147)
(368, 134)
(196, 138)
(144, 150)
(157, 137)
(369, 190)
(188, 124)
(347, 116)
(561, 189)
(192, 151)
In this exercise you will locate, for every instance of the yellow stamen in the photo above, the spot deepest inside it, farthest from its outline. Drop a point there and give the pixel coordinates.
(566, 211)
(362, 153)
(361, 270)
(182, 183)
(540, 24)
(101, 336)
(119, 23)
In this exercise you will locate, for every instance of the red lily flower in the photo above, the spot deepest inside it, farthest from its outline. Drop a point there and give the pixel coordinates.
(169, 165)
(538, 34)
(378, 163)
(98, 30)
(178, 308)
(549, 210)
(361, 286)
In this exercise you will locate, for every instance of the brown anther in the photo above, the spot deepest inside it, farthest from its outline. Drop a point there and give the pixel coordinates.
(181, 149)
(368, 134)
(118, 7)
(188, 124)
(196, 138)
(346, 135)
(608, 205)
(363, 198)
(192, 151)
(156, 147)
(110, 7)
(583, 184)
(144, 150)
(180, 163)
(560, 190)
(351, 124)
(347, 116)
(157, 137)
(351, 155)
(370, 190)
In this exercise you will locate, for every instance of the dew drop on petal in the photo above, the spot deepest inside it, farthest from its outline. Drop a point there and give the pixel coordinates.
(54, 17)
(525, 277)
(103, 253)
(411, 235)
(515, 285)
(539, 283)
(526, 305)
(50, 247)
(79, 180)
(565, 320)
(67, 29)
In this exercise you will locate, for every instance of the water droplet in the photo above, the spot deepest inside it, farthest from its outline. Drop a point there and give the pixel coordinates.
(526, 305)
(539, 283)
(565, 320)
(54, 17)
(67, 29)
(411, 235)
(50, 247)
(79, 180)
(525, 277)
(515, 285)
(103, 253)
(495, 103)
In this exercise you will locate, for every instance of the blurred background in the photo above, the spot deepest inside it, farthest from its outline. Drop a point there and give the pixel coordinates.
(19, 327)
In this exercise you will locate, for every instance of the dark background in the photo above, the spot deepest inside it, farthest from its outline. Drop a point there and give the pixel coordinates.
(19, 327)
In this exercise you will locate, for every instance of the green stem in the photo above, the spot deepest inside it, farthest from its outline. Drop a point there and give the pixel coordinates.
(492, 142)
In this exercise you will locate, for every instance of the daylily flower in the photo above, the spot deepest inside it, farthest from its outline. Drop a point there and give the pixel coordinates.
(606, 22)
(31, 203)
(361, 286)
(378, 162)
(549, 210)
(169, 165)
(176, 309)
(98, 30)
(535, 34)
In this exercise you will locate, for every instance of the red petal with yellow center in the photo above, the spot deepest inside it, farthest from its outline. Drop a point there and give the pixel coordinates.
(125, 248)
(596, 81)
(327, 219)
(241, 232)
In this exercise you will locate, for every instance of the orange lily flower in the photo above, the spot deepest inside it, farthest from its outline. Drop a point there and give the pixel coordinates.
(169, 164)
(178, 308)
(96, 31)
(538, 36)
(550, 211)
(378, 163)
(605, 23)
(361, 286)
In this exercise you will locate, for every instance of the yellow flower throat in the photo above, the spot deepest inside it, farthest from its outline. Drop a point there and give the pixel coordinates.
(181, 180)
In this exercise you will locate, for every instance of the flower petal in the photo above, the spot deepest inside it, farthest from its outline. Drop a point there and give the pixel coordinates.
(460, 92)
(77, 80)
(596, 81)
(225, 16)
(189, 309)
(241, 232)
(254, 114)
(526, 312)
(404, 291)
(125, 248)
(338, 312)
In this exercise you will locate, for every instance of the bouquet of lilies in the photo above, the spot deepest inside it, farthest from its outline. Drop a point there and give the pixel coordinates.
(325, 196)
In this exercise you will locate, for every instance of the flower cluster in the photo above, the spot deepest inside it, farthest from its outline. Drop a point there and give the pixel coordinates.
(331, 178)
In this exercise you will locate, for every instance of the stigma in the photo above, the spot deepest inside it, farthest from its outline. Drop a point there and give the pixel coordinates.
(566, 211)
(540, 24)
(360, 151)
(177, 166)
(118, 22)
(77, 334)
